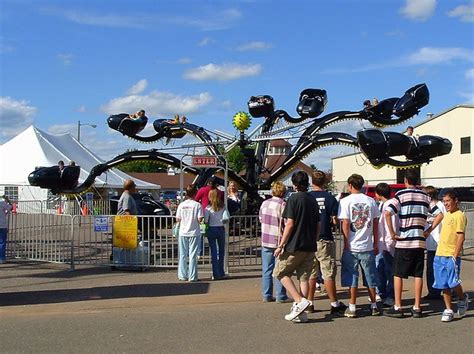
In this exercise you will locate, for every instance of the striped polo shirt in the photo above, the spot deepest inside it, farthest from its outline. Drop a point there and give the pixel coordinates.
(412, 207)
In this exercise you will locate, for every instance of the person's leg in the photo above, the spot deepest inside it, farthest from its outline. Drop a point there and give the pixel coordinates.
(459, 292)
(304, 288)
(221, 252)
(398, 288)
(381, 287)
(183, 249)
(418, 291)
(193, 257)
(312, 280)
(432, 292)
(3, 245)
(447, 299)
(311, 289)
(267, 270)
(212, 240)
(388, 268)
(353, 295)
(291, 288)
(368, 265)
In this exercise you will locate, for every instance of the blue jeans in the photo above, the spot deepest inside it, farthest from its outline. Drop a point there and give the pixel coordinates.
(430, 255)
(216, 239)
(383, 263)
(350, 262)
(3, 244)
(268, 263)
(188, 252)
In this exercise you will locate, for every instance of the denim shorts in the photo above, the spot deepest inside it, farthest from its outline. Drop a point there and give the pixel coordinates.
(350, 262)
(446, 272)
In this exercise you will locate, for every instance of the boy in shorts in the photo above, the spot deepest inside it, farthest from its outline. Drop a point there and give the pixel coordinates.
(447, 263)
(359, 215)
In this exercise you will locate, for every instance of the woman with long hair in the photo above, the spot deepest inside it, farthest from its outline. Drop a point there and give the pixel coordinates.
(233, 198)
(213, 215)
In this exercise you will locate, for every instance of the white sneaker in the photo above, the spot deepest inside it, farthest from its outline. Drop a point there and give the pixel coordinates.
(463, 305)
(297, 309)
(447, 316)
(377, 299)
(302, 318)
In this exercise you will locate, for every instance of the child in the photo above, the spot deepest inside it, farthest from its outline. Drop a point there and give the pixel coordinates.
(384, 259)
(359, 216)
(447, 262)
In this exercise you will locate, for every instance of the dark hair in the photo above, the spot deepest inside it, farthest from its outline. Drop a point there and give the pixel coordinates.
(412, 176)
(318, 178)
(383, 189)
(410, 127)
(451, 194)
(190, 191)
(300, 180)
(356, 181)
(367, 103)
(61, 162)
(142, 111)
(212, 181)
(431, 191)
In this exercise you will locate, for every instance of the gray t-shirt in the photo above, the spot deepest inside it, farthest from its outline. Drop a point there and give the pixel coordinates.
(126, 203)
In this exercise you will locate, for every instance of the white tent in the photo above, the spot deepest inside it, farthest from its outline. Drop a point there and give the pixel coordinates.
(33, 148)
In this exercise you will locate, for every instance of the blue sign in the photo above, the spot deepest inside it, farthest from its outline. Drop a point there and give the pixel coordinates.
(101, 224)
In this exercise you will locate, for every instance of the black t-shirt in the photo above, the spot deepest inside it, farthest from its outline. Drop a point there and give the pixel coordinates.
(328, 207)
(303, 209)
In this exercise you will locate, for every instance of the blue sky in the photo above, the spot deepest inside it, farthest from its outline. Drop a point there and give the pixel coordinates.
(82, 60)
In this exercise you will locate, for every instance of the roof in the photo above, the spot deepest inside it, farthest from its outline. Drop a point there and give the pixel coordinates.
(279, 143)
(35, 148)
(164, 180)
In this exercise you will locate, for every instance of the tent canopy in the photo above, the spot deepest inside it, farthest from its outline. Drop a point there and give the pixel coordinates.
(34, 148)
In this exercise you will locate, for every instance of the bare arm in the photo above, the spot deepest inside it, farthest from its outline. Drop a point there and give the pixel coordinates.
(290, 224)
(459, 243)
(375, 230)
(345, 232)
(433, 226)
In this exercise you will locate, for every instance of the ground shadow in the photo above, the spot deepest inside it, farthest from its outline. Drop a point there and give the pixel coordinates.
(102, 293)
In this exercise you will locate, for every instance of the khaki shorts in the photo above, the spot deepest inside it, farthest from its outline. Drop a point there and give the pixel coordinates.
(325, 260)
(290, 262)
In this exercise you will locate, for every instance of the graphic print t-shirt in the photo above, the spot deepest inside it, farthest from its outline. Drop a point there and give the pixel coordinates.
(360, 210)
(327, 208)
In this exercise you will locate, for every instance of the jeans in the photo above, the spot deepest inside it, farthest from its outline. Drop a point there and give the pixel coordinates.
(430, 274)
(216, 239)
(188, 252)
(383, 263)
(268, 263)
(3, 244)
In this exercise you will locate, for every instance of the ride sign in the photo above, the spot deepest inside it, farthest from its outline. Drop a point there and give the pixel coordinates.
(204, 161)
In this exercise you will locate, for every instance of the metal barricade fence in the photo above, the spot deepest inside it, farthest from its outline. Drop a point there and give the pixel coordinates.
(468, 208)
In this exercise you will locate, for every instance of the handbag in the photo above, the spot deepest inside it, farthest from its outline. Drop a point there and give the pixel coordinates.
(175, 230)
(225, 216)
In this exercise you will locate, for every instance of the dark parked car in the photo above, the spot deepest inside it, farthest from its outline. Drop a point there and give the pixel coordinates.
(146, 205)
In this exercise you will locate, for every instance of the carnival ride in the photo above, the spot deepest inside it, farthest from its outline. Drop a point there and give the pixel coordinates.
(379, 147)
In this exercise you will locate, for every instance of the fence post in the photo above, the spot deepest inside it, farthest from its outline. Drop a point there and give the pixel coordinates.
(72, 268)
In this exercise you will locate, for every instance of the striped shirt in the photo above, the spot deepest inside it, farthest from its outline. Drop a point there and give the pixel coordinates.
(412, 207)
(270, 216)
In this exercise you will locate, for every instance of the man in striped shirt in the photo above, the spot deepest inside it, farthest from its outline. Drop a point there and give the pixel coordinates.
(412, 207)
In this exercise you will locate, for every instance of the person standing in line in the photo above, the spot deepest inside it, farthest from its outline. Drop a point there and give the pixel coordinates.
(295, 251)
(202, 195)
(411, 205)
(325, 257)
(189, 215)
(447, 262)
(384, 260)
(233, 198)
(359, 216)
(433, 223)
(126, 203)
(213, 215)
(271, 219)
(5, 209)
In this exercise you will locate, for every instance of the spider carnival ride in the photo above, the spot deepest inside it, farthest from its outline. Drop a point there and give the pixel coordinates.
(379, 147)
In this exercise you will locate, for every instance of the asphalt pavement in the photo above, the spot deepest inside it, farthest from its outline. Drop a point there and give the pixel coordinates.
(45, 308)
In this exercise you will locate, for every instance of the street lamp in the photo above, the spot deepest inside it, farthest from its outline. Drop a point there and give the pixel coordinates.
(79, 124)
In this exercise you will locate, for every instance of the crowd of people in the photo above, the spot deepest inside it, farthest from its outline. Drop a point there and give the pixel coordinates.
(385, 238)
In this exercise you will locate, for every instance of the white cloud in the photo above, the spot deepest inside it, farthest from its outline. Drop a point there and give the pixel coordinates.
(257, 45)
(63, 129)
(66, 58)
(81, 109)
(15, 116)
(224, 72)
(418, 10)
(430, 55)
(138, 88)
(470, 74)
(464, 12)
(205, 41)
(184, 61)
(157, 103)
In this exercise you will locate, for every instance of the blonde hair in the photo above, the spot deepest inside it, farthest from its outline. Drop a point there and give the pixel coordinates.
(231, 183)
(214, 200)
(278, 189)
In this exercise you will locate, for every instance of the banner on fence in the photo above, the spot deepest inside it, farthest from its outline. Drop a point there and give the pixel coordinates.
(101, 224)
(125, 231)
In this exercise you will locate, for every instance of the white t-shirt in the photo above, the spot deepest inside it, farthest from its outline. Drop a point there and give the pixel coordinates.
(433, 238)
(360, 210)
(386, 243)
(189, 212)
